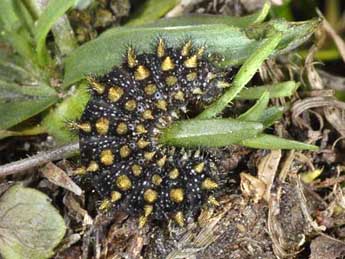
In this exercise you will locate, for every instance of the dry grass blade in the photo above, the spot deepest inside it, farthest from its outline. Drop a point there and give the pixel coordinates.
(339, 42)
(331, 81)
(336, 117)
(312, 74)
(313, 102)
(274, 230)
(267, 170)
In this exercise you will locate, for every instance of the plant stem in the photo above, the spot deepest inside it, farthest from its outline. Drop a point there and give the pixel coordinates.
(39, 159)
(64, 36)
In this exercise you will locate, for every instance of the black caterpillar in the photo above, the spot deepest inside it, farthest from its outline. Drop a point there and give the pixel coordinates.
(121, 158)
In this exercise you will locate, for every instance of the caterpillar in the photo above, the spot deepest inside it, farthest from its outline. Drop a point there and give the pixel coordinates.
(122, 160)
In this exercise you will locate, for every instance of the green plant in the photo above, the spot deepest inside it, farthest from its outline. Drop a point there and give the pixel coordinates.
(245, 40)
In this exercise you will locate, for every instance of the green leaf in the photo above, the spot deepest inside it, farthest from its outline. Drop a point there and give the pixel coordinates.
(257, 110)
(198, 19)
(294, 33)
(12, 29)
(271, 115)
(20, 102)
(8, 17)
(54, 10)
(30, 226)
(68, 110)
(284, 89)
(283, 11)
(243, 76)
(20, 44)
(233, 43)
(151, 10)
(264, 141)
(13, 69)
(209, 133)
(100, 55)
(22, 130)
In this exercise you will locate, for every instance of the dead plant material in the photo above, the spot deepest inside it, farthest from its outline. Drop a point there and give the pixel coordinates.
(331, 81)
(58, 177)
(329, 182)
(339, 42)
(267, 170)
(324, 247)
(286, 166)
(336, 118)
(289, 219)
(301, 106)
(318, 93)
(39, 159)
(237, 229)
(76, 212)
(123, 240)
(305, 206)
(252, 187)
(312, 74)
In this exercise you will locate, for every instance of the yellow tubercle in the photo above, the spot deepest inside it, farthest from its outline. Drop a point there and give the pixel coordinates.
(107, 157)
(167, 64)
(93, 167)
(191, 62)
(102, 126)
(125, 151)
(123, 183)
(209, 184)
(177, 195)
(115, 93)
(179, 218)
(141, 73)
(156, 179)
(150, 196)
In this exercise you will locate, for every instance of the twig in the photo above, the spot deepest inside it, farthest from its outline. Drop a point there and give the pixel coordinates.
(39, 159)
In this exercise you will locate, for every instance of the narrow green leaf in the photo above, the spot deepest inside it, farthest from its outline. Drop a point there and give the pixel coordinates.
(25, 16)
(209, 133)
(54, 10)
(257, 110)
(13, 70)
(8, 17)
(13, 30)
(264, 141)
(18, 103)
(20, 44)
(327, 54)
(151, 10)
(30, 226)
(233, 43)
(271, 115)
(284, 89)
(68, 110)
(23, 131)
(244, 75)
(198, 19)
